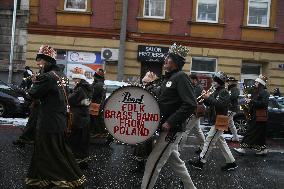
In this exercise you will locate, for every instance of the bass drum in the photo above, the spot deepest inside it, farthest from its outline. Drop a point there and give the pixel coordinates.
(131, 114)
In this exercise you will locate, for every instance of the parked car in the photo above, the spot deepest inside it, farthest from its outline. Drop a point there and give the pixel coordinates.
(275, 124)
(13, 102)
(112, 86)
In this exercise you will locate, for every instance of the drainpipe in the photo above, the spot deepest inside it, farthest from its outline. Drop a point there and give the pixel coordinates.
(12, 43)
(123, 26)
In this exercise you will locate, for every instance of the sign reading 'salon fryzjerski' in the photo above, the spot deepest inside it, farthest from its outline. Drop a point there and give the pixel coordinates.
(151, 53)
(131, 115)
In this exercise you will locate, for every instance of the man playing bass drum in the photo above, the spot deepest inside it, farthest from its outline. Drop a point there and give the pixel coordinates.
(176, 101)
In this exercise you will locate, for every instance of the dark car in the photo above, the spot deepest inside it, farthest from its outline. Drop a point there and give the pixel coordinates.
(275, 124)
(13, 102)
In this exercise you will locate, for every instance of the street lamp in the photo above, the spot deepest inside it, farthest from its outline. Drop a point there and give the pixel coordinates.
(12, 43)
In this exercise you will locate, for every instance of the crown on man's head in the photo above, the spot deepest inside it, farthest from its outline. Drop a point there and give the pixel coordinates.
(179, 50)
(78, 70)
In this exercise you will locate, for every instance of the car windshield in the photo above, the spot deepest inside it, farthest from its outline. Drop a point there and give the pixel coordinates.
(4, 85)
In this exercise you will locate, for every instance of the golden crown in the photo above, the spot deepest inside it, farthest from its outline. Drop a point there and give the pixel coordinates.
(179, 50)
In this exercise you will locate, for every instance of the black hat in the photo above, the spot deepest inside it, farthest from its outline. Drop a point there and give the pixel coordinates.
(99, 73)
(193, 76)
(178, 53)
(220, 77)
(180, 61)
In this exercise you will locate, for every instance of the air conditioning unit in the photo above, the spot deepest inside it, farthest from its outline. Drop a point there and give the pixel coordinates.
(109, 54)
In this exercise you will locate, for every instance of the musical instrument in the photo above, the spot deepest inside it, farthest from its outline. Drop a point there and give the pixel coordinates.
(245, 106)
(210, 90)
(131, 114)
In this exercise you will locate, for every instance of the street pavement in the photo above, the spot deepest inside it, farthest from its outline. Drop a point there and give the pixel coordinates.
(112, 167)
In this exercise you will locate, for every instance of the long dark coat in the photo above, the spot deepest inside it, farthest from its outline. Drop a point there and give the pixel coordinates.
(79, 102)
(52, 161)
(256, 133)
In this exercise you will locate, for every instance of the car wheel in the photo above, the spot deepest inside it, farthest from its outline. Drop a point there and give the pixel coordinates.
(241, 125)
(2, 109)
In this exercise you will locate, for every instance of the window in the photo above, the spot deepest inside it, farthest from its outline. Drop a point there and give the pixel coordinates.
(203, 65)
(207, 11)
(75, 5)
(258, 13)
(154, 8)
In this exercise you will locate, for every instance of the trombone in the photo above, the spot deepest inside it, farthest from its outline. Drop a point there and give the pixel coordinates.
(210, 90)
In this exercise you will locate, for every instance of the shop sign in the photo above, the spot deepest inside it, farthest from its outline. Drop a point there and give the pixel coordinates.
(151, 53)
(84, 57)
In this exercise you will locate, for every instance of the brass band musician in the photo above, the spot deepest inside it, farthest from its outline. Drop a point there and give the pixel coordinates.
(218, 101)
(256, 133)
(176, 102)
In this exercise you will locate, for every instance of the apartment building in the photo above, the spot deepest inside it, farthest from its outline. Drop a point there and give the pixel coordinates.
(243, 38)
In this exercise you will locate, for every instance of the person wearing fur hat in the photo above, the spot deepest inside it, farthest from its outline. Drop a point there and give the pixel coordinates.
(79, 102)
(99, 93)
(219, 101)
(177, 102)
(234, 92)
(52, 161)
(255, 137)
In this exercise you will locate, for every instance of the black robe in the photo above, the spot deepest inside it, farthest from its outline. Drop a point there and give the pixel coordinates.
(52, 161)
(79, 102)
(256, 133)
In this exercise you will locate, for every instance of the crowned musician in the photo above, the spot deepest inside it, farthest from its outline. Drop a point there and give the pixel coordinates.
(52, 162)
(176, 101)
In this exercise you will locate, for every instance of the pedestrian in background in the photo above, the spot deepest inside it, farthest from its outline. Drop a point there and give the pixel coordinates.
(99, 94)
(255, 137)
(79, 102)
(234, 92)
(177, 102)
(52, 162)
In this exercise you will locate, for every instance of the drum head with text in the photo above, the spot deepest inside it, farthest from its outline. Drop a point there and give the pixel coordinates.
(131, 114)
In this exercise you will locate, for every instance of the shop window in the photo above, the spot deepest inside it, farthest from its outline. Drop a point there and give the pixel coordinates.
(258, 13)
(207, 11)
(154, 8)
(75, 5)
(203, 65)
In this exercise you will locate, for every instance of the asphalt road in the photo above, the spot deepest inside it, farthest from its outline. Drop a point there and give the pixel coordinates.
(112, 167)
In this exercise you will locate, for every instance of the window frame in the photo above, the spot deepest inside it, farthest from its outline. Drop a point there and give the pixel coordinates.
(267, 16)
(76, 10)
(206, 58)
(155, 17)
(208, 21)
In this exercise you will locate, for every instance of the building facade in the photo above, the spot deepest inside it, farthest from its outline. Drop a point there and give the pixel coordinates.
(243, 38)
(6, 19)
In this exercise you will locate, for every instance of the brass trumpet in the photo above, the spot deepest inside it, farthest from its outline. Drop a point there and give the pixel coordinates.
(210, 90)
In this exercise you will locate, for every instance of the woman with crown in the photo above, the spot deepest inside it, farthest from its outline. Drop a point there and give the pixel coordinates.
(52, 162)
